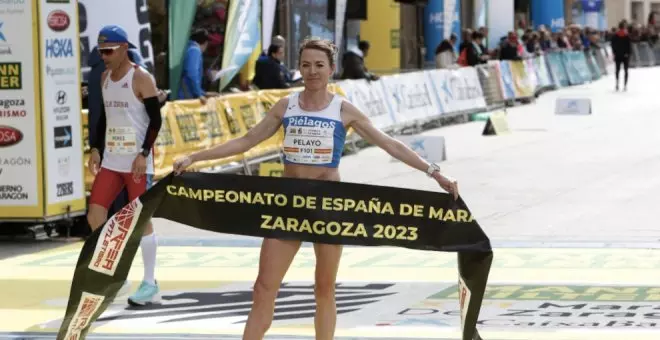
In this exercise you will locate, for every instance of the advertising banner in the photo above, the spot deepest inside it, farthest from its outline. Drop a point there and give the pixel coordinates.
(522, 87)
(287, 209)
(549, 13)
(20, 116)
(241, 37)
(457, 90)
(410, 97)
(133, 17)
(61, 101)
(441, 18)
(370, 98)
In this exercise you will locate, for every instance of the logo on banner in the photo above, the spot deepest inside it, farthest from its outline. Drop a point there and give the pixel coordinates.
(62, 75)
(557, 23)
(12, 6)
(353, 299)
(58, 20)
(10, 108)
(9, 136)
(64, 166)
(63, 137)
(112, 241)
(5, 49)
(11, 77)
(89, 304)
(61, 109)
(59, 48)
(16, 161)
(64, 189)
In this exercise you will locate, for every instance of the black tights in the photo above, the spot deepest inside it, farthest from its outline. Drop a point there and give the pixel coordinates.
(619, 62)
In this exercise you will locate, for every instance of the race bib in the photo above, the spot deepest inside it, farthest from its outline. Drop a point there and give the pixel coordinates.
(309, 145)
(121, 141)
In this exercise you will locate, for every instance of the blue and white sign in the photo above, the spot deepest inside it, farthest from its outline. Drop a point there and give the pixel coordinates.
(549, 13)
(592, 13)
(59, 48)
(441, 18)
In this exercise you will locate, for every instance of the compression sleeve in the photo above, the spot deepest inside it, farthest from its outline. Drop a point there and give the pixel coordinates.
(99, 140)
(155, 121)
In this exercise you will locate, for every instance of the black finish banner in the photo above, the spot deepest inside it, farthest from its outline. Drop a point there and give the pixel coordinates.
(283, 208)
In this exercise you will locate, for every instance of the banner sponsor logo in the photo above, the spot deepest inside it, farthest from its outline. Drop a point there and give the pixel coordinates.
(63, 138)
(542, 307)
(11, 76)
(64, 165)
(5, 48)
(15, 161)
(58, 20)
(89, 304)
(464, 296)
(64, 189)
(61, 110)
(12, 7)
(230, 305)
(59, 48)
(12, 108)
(112, 241)
(13, 193)
(9, 136)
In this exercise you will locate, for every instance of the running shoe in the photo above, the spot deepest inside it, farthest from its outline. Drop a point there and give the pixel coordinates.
(146, 294)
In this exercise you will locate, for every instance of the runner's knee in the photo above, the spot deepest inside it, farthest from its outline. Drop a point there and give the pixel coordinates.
(96, 216)
(324, 289)
(264, 291)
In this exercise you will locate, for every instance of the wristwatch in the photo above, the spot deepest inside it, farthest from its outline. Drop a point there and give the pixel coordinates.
(432, 168)
(144, 152)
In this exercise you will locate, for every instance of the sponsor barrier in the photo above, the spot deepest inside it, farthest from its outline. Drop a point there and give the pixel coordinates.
(283, 208)
(394, 103)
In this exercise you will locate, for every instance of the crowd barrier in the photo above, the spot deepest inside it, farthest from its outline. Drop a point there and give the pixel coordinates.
(645, 54)
(394, 103)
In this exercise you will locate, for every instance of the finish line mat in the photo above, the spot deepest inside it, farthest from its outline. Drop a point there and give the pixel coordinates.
(381, 293)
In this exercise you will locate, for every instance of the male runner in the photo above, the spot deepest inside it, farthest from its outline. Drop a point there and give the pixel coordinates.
(127, 129)
(622, 49)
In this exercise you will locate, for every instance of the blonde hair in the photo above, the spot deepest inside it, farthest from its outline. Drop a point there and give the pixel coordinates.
(324, 45)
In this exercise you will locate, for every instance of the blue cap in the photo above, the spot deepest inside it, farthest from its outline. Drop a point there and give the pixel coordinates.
(114, 34)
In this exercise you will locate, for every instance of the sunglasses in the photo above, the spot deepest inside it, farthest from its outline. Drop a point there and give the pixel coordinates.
(108, 50)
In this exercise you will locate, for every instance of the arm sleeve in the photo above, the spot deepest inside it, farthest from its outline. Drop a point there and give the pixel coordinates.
(99, 139)
(155, 121)
(193, 72)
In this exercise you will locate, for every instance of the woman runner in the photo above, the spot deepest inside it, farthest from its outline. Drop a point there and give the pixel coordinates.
(313, 116)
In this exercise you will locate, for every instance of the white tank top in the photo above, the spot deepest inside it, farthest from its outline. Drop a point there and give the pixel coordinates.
(126, 124)
(313, 137)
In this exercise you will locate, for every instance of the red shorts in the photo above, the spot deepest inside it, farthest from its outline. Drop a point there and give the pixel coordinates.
(108, 184)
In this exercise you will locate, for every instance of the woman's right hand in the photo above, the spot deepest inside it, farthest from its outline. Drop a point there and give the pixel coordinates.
(181, 164)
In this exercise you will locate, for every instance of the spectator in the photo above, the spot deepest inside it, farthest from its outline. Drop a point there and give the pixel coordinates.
(474, 53)
(445, 56)
(353, 63)
(269, 72)
(193, 67)
(466, 40)
(510, 48)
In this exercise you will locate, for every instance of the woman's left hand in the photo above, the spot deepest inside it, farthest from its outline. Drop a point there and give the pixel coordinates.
(449, 184)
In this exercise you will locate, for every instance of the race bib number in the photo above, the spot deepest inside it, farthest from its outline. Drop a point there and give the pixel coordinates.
(309, 145)
(121, 141)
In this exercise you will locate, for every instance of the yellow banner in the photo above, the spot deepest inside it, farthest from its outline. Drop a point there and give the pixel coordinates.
(520, 80)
